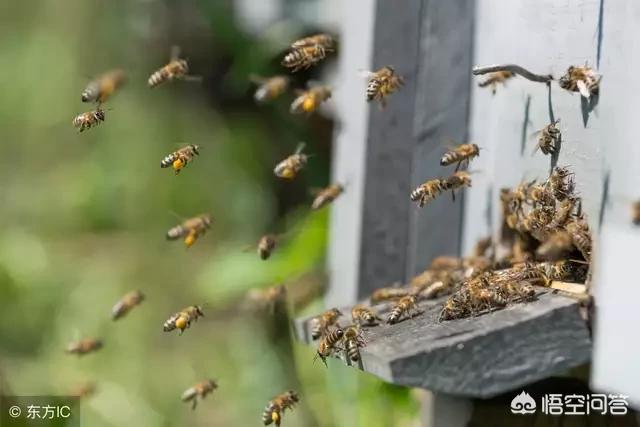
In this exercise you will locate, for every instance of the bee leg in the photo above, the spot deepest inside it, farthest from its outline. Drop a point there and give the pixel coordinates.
(458, 166)
(195, 403)
(453, 195)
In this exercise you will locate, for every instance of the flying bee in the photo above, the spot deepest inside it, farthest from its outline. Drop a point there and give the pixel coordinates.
(100, 89)
(386, 294)
(324, 40)
(198, 392)
(182, 319)
(191, 229)
(428, 191)
(84, 346)
(176, 69)
(269, 88)
(302, 58)
(365, 316)
(88, 119)
(179, 159)
(581, 79)
(289, 167)
(383, 83)
(406, 306)
(309, 101)
(126, 304)
(557, 244)
(266, 245)
(276, 407)
(635, 213)
(328, 344)
(495, 78)
(463, 153)
(267, 298)
(549, 138)
(326, 196)
(353, 341)
(320, 324)
(458, 180)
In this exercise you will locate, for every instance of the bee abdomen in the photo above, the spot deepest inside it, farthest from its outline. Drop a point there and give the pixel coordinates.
(175, 233)
(394, 316)
(158, 77)
(168, 160)
(449, 158)
(372, 89)
(352, 351)
(91, 93)
(266, 415)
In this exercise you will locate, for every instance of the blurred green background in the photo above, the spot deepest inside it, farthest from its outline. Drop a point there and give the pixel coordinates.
(84, 219)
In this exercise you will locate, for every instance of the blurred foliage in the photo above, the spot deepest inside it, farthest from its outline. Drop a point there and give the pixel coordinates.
(84, 218)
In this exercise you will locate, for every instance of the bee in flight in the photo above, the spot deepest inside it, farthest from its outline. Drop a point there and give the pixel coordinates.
(266, 298)
(309, 101)
(276, 407)
(289, 167)
(182, 319)
(100, 89)
(307, 52)
(266, 245)
(428, 191)
(199, 392)
(326, 196)
(383, 83)
(463, 153)
(176, 69)
(581, 79)
(495, 78)
(269, 88)
(126, 304)
(549, 138)
(179, 159)
(88, 119)
(320, 324)
(84, 346)
(191, 229)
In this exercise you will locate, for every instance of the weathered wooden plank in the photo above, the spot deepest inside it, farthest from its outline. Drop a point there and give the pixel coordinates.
(477, 357)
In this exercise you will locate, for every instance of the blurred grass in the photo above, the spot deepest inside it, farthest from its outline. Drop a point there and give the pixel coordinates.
(84, 218)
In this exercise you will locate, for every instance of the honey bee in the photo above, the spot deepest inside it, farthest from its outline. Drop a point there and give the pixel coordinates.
(307, 52)
(353, 341)
(564, 209)
(269, 88)
(191, 229)
(557, 244)
(458, 180)
(549, 138)
(328, 344)
(485, 299)
(198, 392)
(406, 306)
(581, 237)
(581, 79)
(494, 78)
(101, 89)
(308, 101)
(428, 191)
(365, 316)
(267, 298)
(84, 346)
(559, 270)
(463, 153)
(88, 119)
(289, 167)
(445, 262)
(561, 183)
(326, 196)
(385, 294)
(635, 213)
(179, 159)
(383, 83)
(127, 303)
(540, 195)
(455, 307)
(266, 245)
(276, 407)
(321, 324)
(182, 319)
(176, 69)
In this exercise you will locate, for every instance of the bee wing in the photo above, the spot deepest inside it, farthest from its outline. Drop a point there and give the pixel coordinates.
(175, 52)
(365, 74)
(300, 147)
(248, 248)
(191, 78)
(582, 88)
(254, 78)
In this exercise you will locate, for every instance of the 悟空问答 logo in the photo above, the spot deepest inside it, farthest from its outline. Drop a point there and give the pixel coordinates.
(523, 404)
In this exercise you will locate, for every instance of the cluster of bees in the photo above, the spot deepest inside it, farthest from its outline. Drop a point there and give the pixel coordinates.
(302, 54)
